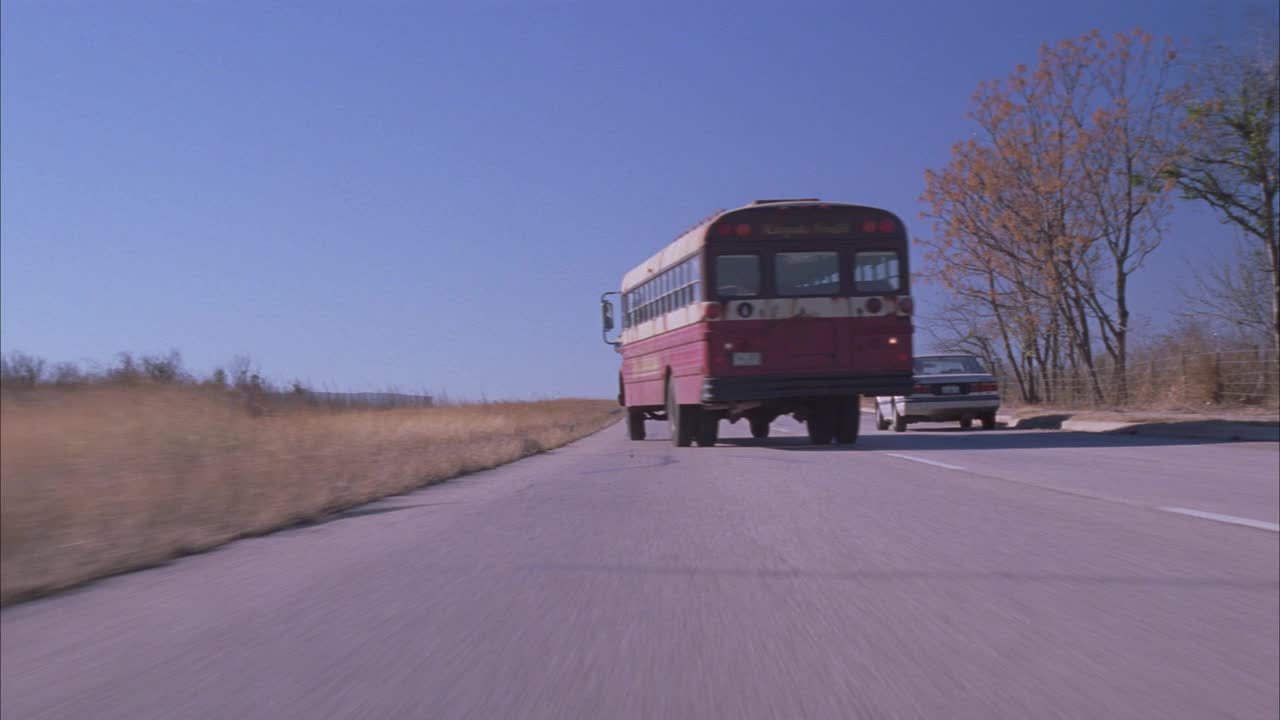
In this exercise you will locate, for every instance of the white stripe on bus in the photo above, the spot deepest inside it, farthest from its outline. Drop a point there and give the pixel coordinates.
(767, 309)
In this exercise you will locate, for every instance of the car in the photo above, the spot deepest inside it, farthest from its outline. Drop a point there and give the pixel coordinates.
(946, 388)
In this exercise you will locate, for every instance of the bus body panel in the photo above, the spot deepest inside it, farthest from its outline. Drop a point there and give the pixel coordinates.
(646, 365)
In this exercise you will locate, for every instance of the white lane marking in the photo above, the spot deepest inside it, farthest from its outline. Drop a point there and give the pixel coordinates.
(935, 463)
(1232, 519)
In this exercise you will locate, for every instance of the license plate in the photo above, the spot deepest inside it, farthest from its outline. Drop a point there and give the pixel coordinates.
(745, 359)
(950, 389)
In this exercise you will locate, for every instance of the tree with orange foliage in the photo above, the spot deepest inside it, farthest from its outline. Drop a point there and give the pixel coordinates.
(1050, 209)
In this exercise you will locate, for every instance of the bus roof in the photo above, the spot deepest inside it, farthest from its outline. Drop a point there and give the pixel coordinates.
(695, 238)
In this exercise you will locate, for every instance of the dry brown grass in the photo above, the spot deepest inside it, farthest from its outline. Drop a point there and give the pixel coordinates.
(99, 480)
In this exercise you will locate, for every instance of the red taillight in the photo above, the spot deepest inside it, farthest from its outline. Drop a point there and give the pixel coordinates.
(920, 390)
(868, 226)
(874, 305)
(743, 230)
(724, 230)
(886, 226)
(986, 387)
(710, 311)
(905, 305)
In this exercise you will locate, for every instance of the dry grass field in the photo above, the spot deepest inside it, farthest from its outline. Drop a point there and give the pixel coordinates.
(100, 479)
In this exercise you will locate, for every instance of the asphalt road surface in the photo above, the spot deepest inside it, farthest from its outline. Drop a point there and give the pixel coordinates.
(931, 574)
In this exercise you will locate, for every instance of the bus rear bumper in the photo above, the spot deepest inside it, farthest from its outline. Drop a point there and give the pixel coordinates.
(777, 387)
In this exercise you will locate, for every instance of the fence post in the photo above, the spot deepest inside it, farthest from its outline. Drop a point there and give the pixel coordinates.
(1217, 378)
(1185, 397)
(1265, 355)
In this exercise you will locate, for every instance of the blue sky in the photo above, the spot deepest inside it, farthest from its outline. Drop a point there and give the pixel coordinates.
(432, 196)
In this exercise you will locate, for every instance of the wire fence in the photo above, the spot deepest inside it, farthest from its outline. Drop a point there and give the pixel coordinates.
(1228, 378)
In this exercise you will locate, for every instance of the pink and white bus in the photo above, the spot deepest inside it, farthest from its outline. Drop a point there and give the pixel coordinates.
(781, 307)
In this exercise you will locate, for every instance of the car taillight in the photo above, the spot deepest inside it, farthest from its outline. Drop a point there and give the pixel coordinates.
(986, 387)
(920, 390)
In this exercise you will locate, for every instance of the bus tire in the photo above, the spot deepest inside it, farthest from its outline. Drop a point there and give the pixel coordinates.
(635, 423)
(759, 427)
(708, 429)
(683, 418)
(848, 420)
(989, 421)
(821, 424)
(966, 423)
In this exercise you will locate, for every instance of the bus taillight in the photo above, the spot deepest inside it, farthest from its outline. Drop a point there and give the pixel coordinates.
(886, 226)
(710, 311)
(905, 305)
(743, 230)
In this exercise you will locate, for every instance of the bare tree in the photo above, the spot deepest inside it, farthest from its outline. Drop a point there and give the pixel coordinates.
(1227, 292)
(19, 368)
(1126, 150)
(1231, 146)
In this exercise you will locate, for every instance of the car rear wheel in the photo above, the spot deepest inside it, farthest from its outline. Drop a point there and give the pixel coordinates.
(881, 423)
(899, 422)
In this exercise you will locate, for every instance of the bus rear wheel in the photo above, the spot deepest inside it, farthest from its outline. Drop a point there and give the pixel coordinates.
(759, 427)
(708, 429)
(848, 420)
(635, 423)
(821, 424)
(683, 419)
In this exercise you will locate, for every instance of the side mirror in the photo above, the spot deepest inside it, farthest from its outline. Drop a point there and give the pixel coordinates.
(606, 319)
(606, 314)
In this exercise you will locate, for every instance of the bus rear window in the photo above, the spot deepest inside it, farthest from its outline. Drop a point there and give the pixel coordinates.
(876, 271)
(737, 275)
(807, 273)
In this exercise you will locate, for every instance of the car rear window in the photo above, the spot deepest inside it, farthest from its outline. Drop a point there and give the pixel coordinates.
(951, 365)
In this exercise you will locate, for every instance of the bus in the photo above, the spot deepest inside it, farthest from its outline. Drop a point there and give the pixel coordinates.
(781, 307)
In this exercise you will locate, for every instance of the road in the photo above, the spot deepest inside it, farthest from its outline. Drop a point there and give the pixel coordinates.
(931, 574)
